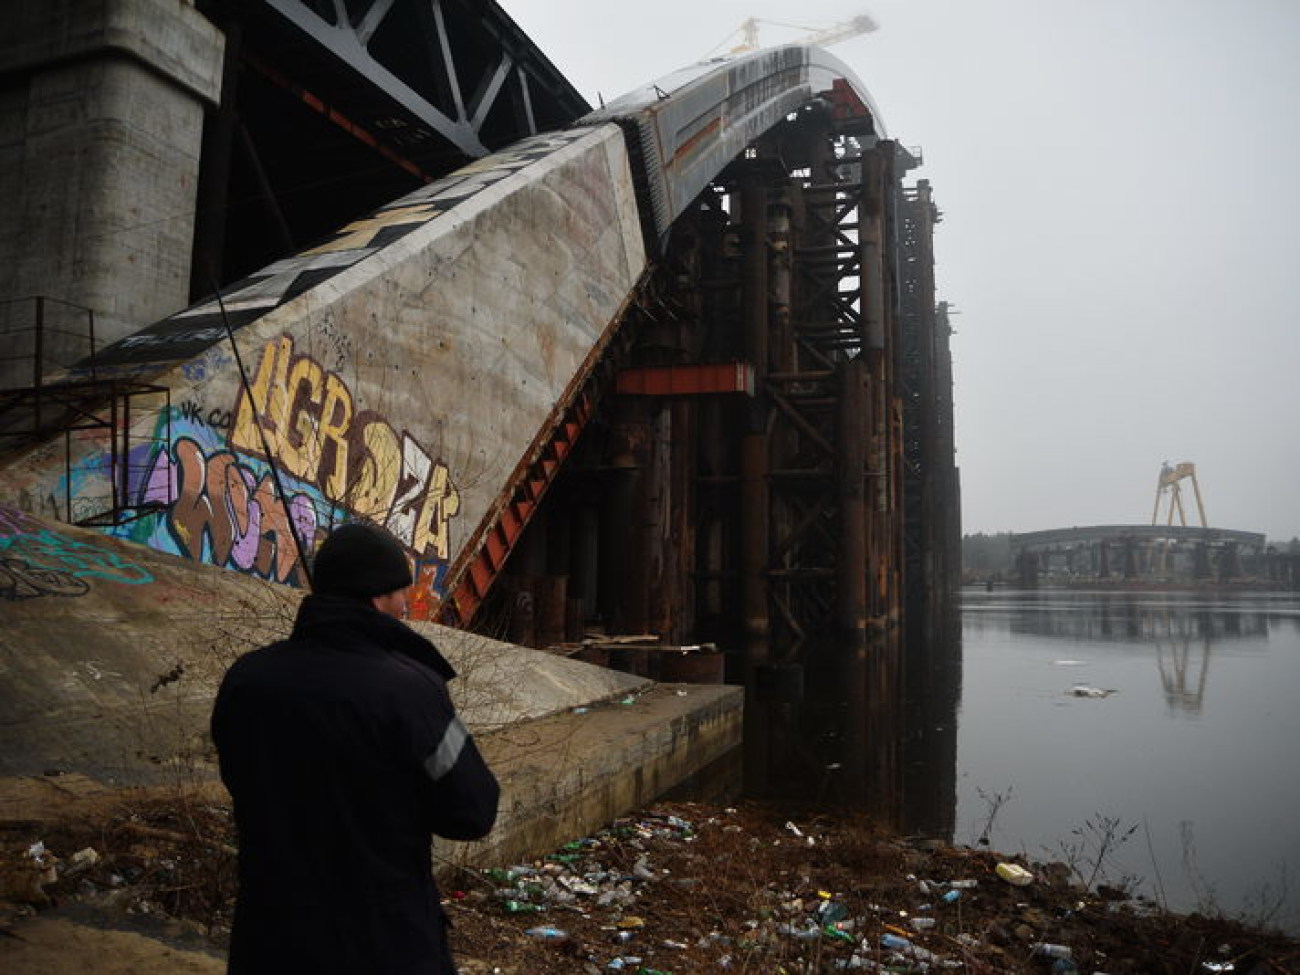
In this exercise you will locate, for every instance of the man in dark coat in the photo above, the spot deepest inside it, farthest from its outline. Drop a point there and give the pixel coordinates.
(344, 756)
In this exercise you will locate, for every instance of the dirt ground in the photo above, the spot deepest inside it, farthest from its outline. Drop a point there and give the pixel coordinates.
(678, 888)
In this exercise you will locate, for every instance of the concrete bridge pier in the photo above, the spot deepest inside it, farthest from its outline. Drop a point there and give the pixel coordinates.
(101, 109)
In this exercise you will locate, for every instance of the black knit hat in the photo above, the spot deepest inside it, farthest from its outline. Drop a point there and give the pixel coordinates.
(360, 560)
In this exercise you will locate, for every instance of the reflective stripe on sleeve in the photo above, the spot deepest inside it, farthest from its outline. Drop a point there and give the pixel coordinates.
(448, 751)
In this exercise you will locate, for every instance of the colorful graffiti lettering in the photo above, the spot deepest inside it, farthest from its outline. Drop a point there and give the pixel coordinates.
(355, 458)
(19, 580)
(216, 499)
(40, 548)
(220, 510)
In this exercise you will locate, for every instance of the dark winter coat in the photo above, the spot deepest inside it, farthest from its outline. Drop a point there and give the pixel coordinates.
(344, 755)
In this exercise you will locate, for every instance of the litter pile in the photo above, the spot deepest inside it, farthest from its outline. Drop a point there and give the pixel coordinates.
(692, 889)
(681, 888)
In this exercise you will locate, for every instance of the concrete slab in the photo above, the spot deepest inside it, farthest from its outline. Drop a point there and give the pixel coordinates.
(500, 683)
(565, 775)
(111, 652)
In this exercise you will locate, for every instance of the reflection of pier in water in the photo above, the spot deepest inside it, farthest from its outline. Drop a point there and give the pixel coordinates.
(1183, 635)
(875, 731)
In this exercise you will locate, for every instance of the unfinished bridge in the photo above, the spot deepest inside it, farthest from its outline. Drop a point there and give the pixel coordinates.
(674, 366)
(1137, 553)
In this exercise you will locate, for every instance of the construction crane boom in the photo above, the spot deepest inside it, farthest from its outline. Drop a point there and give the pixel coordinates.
(861, 24)
(823, 37)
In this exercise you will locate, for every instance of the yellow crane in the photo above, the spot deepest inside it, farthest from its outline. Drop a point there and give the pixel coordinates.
(1169, 482)
(823, 37)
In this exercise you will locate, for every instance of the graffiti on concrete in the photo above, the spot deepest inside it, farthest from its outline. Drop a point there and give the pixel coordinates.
(214, 496)
(43, 550)
(227, 513)
(187, 333)
(353, 457)
(19, 580)
(216, 418)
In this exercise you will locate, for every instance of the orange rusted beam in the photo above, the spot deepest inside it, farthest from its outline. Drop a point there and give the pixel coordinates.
(687, 380)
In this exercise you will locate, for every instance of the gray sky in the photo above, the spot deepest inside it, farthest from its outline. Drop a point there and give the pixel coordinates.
(1120, 181)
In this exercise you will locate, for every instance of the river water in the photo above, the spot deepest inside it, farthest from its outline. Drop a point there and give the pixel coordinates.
(1166, 723)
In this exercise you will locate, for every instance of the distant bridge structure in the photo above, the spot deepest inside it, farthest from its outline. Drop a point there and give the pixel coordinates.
(1139, 553)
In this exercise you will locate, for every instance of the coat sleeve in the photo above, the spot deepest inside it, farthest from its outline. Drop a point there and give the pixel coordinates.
(459, 793)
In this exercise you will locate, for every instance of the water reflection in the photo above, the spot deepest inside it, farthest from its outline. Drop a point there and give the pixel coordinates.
(874, 730)
(1184, 631)
(1184, 665)
(1196, 742)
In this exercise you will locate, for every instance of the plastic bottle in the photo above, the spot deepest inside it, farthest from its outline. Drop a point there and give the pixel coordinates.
(521, 907)
(894, 943)
(547, 933)
(1045, 950)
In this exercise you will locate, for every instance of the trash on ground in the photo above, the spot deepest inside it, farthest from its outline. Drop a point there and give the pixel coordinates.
(1085, 690)
(1014, 874)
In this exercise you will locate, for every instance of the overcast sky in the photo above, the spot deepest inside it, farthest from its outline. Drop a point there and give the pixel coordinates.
(1120, 182)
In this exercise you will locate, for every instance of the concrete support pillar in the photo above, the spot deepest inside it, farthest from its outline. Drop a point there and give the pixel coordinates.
(219, 134)
(101, 123)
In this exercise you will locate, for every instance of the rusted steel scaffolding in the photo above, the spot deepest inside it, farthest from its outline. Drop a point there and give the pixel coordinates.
(757, 453)
(745, 479)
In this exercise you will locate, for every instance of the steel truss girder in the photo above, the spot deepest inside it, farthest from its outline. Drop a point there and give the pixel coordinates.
(348, 35)
(825, 329)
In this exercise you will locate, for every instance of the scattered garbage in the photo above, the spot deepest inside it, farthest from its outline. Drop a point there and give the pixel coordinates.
(907, 949)
(828, 912)
(619, 900)
(1085, 690)
(522, 907)
(612, 902)
(1014, 874)
(548, 933)
(1046, 950)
